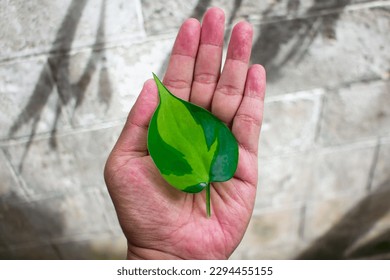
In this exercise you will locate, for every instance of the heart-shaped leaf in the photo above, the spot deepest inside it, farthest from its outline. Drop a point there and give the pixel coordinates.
(189, 145)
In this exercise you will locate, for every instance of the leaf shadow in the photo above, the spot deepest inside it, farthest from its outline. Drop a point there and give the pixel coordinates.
(269, 49)
(55, 77)
(279, 44)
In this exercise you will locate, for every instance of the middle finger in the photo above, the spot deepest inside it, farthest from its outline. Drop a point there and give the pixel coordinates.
(208, 61)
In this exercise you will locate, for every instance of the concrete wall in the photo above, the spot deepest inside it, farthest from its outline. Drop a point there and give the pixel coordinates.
(70, 71)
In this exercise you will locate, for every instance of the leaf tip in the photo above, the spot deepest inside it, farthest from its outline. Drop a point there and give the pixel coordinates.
(162, 90)
(156, 79)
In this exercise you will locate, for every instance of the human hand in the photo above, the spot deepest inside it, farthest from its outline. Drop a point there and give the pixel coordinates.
(159, 221)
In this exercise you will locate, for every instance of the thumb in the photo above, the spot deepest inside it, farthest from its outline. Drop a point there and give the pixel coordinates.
(133, 138)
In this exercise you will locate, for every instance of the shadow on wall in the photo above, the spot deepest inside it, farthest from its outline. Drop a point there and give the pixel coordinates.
(25, 222)
(29, 224)
(55, 75)
(33, 230)
(298, 34)
(337, 242)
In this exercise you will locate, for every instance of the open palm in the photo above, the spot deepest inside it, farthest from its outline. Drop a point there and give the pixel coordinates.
(159, 221)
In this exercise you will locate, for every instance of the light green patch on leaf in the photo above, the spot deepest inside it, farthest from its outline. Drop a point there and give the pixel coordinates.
(190, 146)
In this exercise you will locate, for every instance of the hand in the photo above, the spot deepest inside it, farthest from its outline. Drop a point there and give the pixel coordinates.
(159, 221)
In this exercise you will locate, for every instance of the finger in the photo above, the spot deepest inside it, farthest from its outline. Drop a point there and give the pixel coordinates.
(208, 61)
(133, 138)
(230, 88)
(180, 71)
(247, 122)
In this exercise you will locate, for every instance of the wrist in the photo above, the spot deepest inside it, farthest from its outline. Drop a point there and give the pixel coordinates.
(138, 253)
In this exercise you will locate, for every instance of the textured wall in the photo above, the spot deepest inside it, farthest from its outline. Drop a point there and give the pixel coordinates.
(70, 71)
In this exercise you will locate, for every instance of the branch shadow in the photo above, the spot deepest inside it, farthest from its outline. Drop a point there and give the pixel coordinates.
(44, 86)
(335, 243)
(279, 43)
(269, 49)
(55, 75)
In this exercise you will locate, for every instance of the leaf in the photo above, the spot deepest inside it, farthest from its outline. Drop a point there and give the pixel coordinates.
(190, 146)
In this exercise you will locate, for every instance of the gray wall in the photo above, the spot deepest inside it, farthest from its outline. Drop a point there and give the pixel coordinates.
(71, 70)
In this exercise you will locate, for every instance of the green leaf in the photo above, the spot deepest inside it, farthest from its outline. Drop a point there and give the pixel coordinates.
(190, 146)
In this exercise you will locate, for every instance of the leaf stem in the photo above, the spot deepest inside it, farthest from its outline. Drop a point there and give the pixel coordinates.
(208, 209)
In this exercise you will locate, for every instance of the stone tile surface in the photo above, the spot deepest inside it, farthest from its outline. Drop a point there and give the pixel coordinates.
(29, 101)
(162, 16)
(290, 124)
(381, 176)
(56, 218)
(168, 15)
(109, 209)
(283, 182)
(71, 71)
(263, 11)
(103, 85)
(9, 186)
(28, 27)
(361, 111)
(278, 228)
(321, 217)
(75, 162)
(328, 51)
(374, 241)
(43, 252)
(353, 226)
(340, 172)
(313, 176)
(97, 248)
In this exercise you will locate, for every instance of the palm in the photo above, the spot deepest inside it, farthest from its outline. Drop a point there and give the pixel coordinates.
(179, 218)
(158, 220)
